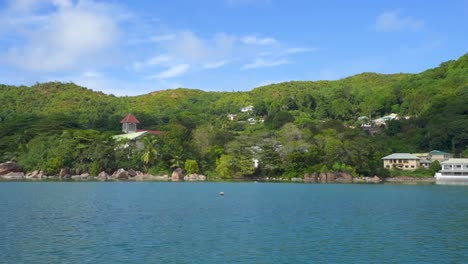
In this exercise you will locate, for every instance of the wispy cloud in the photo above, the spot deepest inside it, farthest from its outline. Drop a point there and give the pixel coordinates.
(214, 65)
(297, 50)
(258, 41)
(262, 63)
(393, 21)
(172, 72)
(162, 38)
(91, 74)
(153, 61)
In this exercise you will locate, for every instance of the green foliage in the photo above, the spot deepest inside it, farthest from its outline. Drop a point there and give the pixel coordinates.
(191, 166)
(435, 167)
(307, 128)
(224, 166)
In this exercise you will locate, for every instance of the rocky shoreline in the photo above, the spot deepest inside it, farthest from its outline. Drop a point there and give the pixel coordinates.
(10, 171)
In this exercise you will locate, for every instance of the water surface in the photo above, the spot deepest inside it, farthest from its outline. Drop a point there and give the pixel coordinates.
(94, 222)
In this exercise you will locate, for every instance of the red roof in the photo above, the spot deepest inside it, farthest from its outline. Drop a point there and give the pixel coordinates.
(154, 132)
(130, 119)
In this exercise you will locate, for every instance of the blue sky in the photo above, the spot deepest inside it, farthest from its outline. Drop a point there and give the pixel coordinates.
(132, 47)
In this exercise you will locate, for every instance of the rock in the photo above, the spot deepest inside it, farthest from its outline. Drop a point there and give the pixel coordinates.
(102, 176)
(201, 178)
(64, 173)
(296, 179)
(84, 176)
(120, 174)
(132, 173)
(9, 166)
(177, 175)
(13, 176)
(310, 177)
(343, 177)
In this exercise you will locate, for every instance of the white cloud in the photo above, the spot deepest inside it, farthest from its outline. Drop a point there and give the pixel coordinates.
(70, 36)
(153, 61)
(172, 72)
(262, 63)
(393, 21)
(162, 38)
(258, 41)
(187, 46)
(214, 65)
(91, 74)
(297, 50)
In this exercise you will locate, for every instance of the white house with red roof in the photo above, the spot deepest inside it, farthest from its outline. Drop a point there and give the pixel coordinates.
(129, 127)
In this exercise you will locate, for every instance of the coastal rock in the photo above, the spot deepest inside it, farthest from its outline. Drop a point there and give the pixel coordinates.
(310, 178)
(195, 177)
(65, 172)
(132, 173)
(295, 179)
(102, 176)
(13, 176)
(120, 174)
(201, 177)
(84, 176)
(343, 177)
(177, 175)
(9, 166)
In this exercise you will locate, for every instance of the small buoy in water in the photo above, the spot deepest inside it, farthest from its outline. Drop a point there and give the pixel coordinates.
(221, 193)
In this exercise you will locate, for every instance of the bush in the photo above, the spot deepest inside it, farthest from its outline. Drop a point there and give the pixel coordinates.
(158, 169)
(191, 166)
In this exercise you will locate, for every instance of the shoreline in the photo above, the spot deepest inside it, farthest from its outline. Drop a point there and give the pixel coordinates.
(390, 180)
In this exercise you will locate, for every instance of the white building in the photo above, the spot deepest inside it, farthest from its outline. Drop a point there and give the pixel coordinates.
(454, 171)
(246, 109)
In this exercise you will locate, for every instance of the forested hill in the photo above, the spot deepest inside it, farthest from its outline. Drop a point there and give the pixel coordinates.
(309, 125)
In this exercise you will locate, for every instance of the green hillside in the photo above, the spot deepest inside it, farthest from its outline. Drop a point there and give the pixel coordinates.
(295, 127)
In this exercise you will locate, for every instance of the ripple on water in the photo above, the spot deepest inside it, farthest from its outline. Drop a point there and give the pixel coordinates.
(253, 223)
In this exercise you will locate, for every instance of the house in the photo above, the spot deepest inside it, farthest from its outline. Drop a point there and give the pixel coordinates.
(246, 109)
(425, 163)
(439, 155)
(129, 124)
(454, 171)
(231, 117)
(132, 134)
(403, 161)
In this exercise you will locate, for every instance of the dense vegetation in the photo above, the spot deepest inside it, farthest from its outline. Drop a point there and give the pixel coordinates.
(308, 126)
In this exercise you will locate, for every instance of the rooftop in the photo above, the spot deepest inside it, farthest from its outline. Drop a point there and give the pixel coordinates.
(129, 136)
(455, 161)
(401, 156)
(438, 152)
(130, 119)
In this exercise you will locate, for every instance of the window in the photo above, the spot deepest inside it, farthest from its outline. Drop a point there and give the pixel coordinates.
(388, 166)
(406, 166)
(412, 166)
(405, 161)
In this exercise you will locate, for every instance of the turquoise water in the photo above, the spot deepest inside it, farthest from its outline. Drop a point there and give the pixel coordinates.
(53, 222)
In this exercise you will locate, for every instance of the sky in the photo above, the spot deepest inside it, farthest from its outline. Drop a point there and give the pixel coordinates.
(132, 47)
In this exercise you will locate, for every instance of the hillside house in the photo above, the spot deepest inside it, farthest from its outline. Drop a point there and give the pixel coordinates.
(403, 161)
(246, 109)
(131, 133)
(439, 155)
(231, 117)
(454, 171)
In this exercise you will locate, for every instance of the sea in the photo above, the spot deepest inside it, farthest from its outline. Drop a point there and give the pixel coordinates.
(150, 222)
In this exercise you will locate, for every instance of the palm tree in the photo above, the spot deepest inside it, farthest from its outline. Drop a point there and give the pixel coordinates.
(149, 150)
